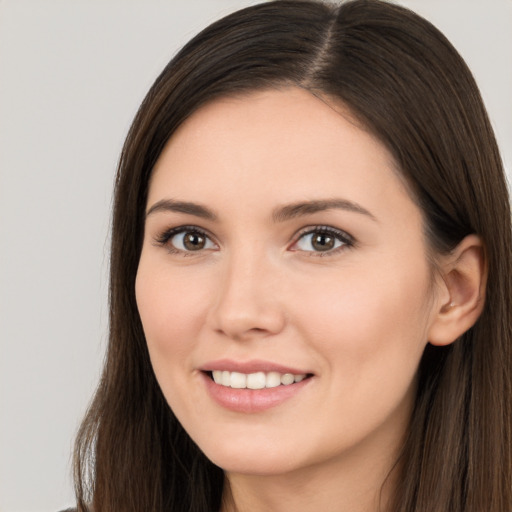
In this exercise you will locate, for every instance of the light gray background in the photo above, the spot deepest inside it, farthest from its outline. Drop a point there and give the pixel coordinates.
(72, 74)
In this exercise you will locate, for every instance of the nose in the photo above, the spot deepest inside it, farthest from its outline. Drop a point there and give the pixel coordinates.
(248, 302)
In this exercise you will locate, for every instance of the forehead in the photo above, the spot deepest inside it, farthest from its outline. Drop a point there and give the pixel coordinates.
(274, 146)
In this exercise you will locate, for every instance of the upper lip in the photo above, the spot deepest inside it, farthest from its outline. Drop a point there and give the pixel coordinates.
(253, 366)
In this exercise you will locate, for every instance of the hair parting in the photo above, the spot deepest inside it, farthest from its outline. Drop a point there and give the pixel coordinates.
(401, 79)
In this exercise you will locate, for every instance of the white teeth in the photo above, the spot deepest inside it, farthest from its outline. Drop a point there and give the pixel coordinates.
(258, 380)
(238, 380)
(273, 380)
(226, 378)
(287, 378)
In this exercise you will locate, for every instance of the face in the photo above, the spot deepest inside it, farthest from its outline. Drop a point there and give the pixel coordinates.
(283, 285)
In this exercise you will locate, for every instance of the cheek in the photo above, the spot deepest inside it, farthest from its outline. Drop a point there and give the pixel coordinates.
(370, 332)
(369, 323)
(171, 309)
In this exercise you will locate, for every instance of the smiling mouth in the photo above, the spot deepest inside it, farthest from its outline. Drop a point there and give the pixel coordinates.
(257, 380)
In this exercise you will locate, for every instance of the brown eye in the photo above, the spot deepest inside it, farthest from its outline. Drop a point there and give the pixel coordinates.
(194, 241)
(188, 240)
(322, 241)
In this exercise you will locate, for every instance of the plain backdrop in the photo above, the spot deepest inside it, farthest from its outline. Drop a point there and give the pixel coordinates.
(72, 74)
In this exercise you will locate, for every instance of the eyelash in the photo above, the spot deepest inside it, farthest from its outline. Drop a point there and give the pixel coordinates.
(341, 236)
(166, 236)
(346, 240)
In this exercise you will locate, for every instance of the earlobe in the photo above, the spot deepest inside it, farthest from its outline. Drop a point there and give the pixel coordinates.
(464, 274)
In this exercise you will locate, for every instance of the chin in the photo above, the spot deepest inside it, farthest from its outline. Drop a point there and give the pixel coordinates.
(255, 459)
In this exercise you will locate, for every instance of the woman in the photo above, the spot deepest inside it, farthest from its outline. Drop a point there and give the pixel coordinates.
(310, 277)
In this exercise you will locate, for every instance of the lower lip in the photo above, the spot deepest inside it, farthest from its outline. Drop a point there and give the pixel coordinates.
(252, 400)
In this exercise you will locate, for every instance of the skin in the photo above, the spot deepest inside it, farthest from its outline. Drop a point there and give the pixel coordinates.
(357, 317)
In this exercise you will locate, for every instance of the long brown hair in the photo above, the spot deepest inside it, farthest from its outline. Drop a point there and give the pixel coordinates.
(406, 84)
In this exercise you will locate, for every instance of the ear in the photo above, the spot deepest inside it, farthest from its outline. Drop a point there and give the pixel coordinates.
(460, 300)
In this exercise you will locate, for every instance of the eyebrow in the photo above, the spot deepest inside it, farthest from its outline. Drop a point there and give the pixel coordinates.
(170, 205)
(309, 207)
(280, 214)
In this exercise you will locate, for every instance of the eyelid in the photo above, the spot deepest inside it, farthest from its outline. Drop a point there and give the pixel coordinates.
(347, 239)
(165, 236)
